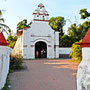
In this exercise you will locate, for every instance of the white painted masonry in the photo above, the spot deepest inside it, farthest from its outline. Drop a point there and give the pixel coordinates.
(83, 73)
(4, 64)
(39, 30)
(64, 50)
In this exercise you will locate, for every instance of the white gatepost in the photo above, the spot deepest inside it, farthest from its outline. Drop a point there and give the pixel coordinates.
(56, 44)
(4, 60)
(83, 73)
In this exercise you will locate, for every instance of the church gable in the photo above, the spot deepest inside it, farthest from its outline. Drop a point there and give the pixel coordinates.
(41, 28)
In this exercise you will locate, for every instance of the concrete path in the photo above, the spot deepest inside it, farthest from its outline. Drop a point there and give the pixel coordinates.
(45, 75)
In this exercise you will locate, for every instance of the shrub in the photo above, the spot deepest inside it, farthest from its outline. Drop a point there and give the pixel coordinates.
(66, 41)
(76, 52)
(16, 62)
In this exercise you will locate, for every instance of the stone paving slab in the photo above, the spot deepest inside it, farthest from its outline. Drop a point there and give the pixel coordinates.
(45, 75)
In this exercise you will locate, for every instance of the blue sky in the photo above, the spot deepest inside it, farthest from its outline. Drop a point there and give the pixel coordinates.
(17, 10)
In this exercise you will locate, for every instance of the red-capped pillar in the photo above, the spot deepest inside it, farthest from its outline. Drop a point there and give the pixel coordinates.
(83, 73)
(3, 41)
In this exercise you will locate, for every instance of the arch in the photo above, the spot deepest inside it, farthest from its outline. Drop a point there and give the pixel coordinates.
(40, 49)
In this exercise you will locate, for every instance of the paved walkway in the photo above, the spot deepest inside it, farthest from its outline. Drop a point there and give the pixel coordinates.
(45, 75)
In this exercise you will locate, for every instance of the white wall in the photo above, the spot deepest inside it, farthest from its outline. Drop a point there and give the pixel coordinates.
(64, 50)
(18, 46)
(4, 64)
(83, 73)
(39, 31)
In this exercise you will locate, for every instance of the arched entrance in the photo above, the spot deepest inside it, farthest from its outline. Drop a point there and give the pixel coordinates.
(40, 50)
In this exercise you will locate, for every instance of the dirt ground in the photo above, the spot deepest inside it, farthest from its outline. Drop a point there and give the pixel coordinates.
(45, 75)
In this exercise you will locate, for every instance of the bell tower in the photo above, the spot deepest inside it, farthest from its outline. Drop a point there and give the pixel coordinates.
(40, 14)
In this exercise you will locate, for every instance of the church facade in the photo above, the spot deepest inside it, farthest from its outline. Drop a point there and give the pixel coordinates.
(39, 40)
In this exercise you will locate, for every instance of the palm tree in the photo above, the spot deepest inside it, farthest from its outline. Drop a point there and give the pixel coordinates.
(84, 14)
(3, 27)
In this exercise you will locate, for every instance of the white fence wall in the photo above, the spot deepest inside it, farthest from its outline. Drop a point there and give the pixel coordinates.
(4, 64)
(64, 50)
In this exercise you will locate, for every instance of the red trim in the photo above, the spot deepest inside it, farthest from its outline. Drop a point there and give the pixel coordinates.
(56, 45)
(83, 44)
(24, 45)
(46, 14)
(49, 45)
(86, 40)
(34, 13)
(20, 31)
(41, 14)
(31, 45)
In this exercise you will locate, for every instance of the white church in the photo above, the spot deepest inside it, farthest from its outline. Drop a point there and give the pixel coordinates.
(38, 37)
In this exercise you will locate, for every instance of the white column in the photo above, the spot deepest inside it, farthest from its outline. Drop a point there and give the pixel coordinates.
(83, 73)
(56, 44)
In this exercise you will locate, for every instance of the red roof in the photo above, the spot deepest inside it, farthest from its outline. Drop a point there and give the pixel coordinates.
(3, 41)
(86, 40)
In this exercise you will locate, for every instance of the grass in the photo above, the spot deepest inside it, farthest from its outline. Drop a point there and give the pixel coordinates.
(16, 64)
(6, 87)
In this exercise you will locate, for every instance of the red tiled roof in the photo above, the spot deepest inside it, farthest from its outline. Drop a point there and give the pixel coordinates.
(86, 40)
(20, 31)
(3, 41)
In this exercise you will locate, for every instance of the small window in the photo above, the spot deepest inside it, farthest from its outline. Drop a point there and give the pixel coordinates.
(40, 7)
(37, 15)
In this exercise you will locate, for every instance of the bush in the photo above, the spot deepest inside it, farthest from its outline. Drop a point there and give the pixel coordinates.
(76, 52)
(16, 62)
(66, 41)
(6, 87)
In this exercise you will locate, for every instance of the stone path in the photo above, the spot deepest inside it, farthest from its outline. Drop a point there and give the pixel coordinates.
(45, 75)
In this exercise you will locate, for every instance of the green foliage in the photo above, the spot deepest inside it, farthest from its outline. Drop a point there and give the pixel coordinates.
(16, 62)
(84, 14)
(57, 24)
(78, 31)
(11, 40)
(6, 87)
(66, 40)
(76, 52)
(23, 24)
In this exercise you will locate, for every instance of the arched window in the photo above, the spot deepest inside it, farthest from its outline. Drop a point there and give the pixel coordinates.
(43, 17)
(37, 15)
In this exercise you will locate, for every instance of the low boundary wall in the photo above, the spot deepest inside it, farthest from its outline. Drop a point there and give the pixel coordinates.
(64, 53)
(4, 64)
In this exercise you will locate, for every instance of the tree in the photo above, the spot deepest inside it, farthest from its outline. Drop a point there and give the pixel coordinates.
(23, 24)
(84, 14)
(85, 27)
(65, 41)
(57, 24)
(11, 40)
(78, 31)
(74, 31)
(3, 27)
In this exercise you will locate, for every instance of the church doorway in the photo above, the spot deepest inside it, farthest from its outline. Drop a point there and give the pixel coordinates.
(40, 50)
